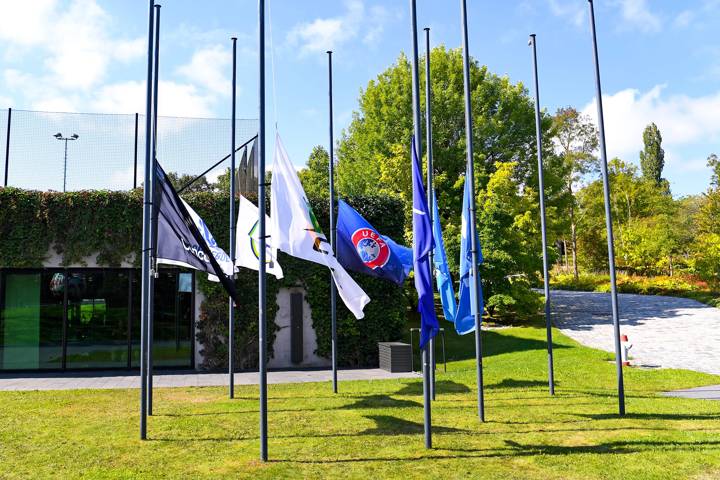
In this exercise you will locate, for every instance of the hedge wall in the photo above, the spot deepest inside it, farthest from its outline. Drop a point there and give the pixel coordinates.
(80, 224)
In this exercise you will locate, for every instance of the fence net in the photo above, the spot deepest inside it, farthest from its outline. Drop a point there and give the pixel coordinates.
(109, 151)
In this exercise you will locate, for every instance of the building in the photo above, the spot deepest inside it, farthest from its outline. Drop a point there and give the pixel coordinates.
(88, 317)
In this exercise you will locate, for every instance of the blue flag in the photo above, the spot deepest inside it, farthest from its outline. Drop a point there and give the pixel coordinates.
(422, 245)
(362, 249)
(442, 272)
(465, 319)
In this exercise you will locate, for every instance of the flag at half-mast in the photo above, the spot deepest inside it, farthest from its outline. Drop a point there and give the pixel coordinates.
(184, 239)
(361, 248)
(422, 245)
(297, 232)
(247, 245)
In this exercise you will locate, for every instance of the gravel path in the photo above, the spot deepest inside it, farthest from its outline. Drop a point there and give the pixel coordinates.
(665, 332)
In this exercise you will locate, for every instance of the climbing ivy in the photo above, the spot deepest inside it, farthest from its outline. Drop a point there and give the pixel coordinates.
(108, 224)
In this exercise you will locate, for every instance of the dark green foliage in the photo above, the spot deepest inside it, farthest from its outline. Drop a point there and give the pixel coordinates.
(652, 158)
(80, 224)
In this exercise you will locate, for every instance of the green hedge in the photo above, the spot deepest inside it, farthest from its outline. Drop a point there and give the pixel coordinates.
(79, 224)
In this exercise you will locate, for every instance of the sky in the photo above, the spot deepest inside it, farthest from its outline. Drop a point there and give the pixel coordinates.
(660, 61)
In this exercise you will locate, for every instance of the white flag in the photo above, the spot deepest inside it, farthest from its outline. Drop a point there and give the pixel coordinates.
(296, 230)
(247, 244)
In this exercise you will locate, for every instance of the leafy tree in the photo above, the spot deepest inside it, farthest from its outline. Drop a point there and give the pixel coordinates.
(374, 151)
(714, 163)
(179, 181)
(652, 158)
(576, 140)
(315, 177)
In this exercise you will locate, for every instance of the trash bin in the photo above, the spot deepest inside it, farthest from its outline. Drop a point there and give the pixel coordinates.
(395, 356)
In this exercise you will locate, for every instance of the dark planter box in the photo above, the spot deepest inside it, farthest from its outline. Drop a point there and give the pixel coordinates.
(395, 356)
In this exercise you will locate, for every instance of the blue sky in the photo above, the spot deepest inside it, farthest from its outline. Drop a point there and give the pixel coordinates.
(660, 61)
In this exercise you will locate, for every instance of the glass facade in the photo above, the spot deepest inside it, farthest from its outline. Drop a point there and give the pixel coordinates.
(90, 319)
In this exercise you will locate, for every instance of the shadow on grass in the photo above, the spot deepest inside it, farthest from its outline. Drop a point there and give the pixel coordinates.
(646, 416)
(389, 425)
(607, 447)
(512, 383)
(441, 386)
(380, 401)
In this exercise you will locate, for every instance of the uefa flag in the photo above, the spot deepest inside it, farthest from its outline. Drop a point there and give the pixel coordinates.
(422, 245)
(363, 249)
(297, 232)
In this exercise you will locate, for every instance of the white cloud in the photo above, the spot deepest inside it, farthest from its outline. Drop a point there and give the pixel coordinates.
(684, 18)
(572, 11)
(637, 14)
(324, 34)
(209, 68)
(684, 121)
(26, 22)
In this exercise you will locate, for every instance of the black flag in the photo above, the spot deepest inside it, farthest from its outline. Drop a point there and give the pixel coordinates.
(186, 241)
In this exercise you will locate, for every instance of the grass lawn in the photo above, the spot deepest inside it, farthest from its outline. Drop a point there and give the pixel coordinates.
(373, 430)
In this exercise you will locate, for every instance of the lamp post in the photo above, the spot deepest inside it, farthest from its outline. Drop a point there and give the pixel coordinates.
(59, 136)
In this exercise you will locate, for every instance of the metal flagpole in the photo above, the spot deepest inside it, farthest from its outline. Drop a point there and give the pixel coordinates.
(608, 218)
(7, 147)
(146, 229)
(153, 233)
(543, 226)
(473, 223)
(262, 328)
(418, 145)
(333, 299)
(233, 227)
(430, 196)
(135, 153)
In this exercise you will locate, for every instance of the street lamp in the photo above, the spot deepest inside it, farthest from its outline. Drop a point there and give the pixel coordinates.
(59, 136)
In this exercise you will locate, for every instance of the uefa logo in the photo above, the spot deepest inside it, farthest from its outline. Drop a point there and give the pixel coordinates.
(372, 249)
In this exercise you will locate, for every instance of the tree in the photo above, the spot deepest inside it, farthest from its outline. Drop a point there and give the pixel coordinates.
(652, 158)
(576, 139)
(179, 181)
(374, 153)
(315, 177)
(714, 163)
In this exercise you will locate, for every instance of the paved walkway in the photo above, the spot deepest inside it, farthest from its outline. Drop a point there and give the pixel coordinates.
(107, 380)
(665, 332)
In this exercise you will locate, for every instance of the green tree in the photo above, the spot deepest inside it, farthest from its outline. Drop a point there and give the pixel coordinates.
(576, 140)
(179, 181)
(714, 163)
(315, 177)
(652, 158)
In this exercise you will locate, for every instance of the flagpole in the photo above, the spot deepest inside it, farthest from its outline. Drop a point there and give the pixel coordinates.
(145, 270)
(543, 226)
(473, 222)
(153, 219)
(430, 174)
(608, 218)
(262, 328)
(233, 227)
(418, 146)
(331, 167)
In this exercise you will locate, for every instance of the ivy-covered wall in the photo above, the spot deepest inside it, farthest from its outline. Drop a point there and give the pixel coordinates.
(109, 225)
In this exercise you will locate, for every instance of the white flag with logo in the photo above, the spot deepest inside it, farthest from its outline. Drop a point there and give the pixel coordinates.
(222, 258)
(247, 244)
(296, 230)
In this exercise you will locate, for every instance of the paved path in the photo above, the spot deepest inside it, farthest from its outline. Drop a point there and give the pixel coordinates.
(665, 332)
(107, 380)
(711, 392)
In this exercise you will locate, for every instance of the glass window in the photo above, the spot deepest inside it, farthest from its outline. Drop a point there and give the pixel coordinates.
(97, 316)
(31, 321)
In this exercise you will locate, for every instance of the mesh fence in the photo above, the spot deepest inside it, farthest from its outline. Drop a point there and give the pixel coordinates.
(109, 151)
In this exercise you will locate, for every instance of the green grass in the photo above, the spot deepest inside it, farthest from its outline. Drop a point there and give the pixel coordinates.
(373, 429)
